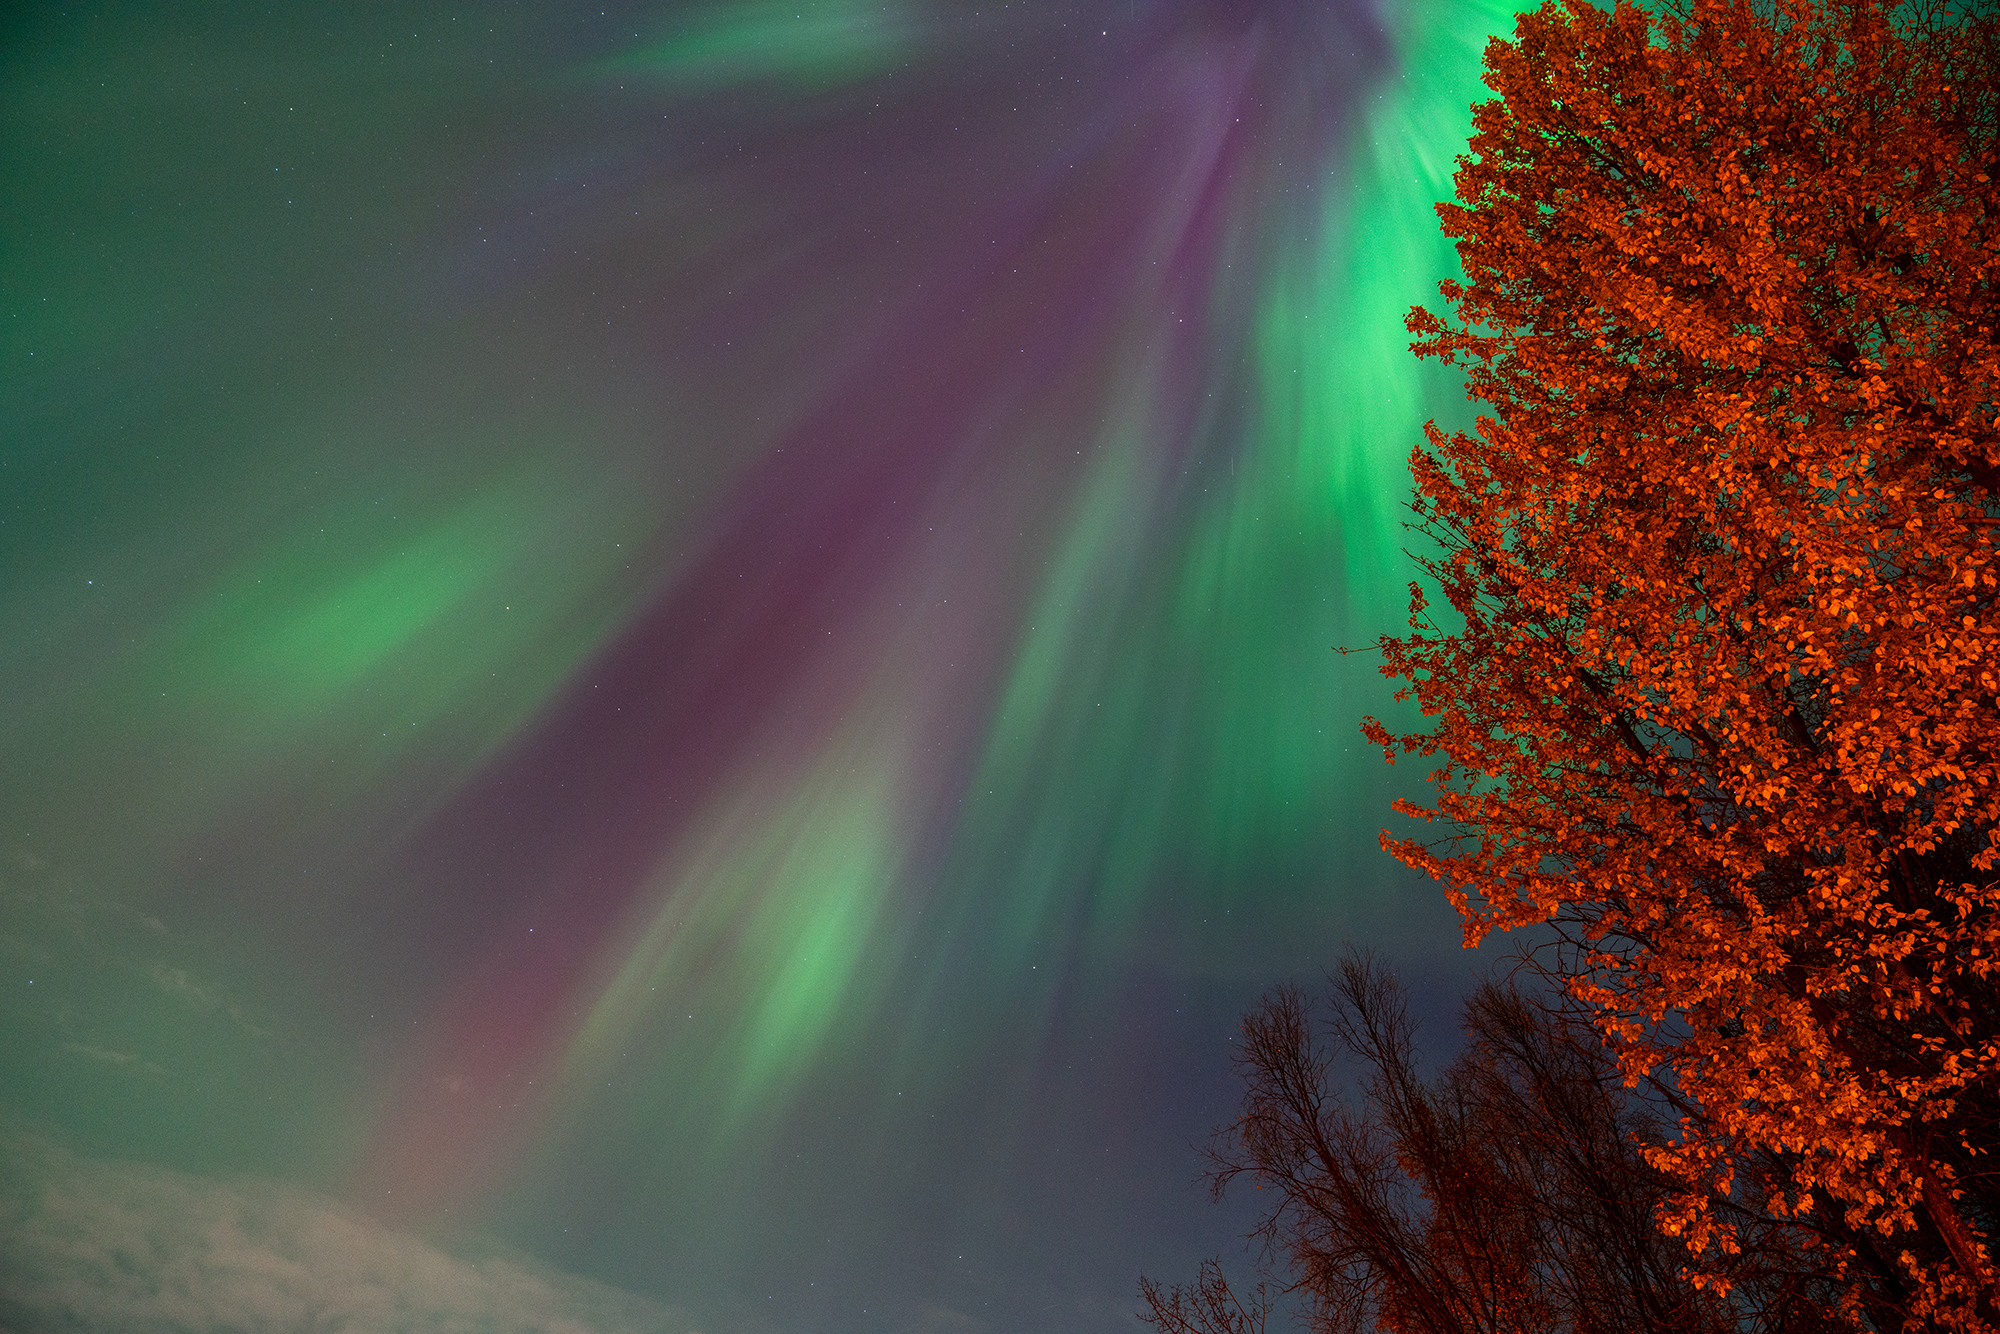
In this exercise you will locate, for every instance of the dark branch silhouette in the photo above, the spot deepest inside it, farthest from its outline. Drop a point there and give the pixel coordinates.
(1509, 1193)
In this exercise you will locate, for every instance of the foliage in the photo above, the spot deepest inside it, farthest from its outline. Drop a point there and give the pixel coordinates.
(1510, 1193)
(1725, 695)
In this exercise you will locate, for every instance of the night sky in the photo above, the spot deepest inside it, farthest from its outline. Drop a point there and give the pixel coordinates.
(669, 667)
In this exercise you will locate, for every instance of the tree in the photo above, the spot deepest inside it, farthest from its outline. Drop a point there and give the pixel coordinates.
(1724, 692)
(1509, 1194)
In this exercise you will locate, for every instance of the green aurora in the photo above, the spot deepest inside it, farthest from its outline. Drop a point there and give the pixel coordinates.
(834, 515)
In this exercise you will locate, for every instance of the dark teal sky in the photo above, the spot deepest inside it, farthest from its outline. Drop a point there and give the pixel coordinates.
(687, 647)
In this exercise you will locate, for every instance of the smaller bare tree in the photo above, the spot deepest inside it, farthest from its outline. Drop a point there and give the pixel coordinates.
(1509, 1194)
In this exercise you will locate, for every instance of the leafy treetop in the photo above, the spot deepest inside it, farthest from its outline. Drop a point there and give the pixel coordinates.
(1725, 694)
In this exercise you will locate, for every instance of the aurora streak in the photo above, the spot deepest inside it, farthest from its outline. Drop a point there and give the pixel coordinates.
(698, 636)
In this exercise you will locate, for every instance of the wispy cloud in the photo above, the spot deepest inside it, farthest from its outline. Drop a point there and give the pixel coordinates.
(123, 1059)
(94, 972)
(201, 995)
(116, 1247)
(178, 982)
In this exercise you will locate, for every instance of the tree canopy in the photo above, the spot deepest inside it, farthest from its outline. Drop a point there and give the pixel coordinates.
(1720, 689)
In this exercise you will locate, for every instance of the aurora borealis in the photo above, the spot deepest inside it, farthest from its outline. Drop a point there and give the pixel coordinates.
(694, 639)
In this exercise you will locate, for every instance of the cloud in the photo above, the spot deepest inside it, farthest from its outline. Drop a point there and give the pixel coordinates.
(123, 1248)
(123, 1059)
(203, 997)
(101, 981)
(177, 982)
(934, 1318)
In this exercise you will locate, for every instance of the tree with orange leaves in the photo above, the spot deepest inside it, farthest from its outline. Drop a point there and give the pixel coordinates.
(1724, 693)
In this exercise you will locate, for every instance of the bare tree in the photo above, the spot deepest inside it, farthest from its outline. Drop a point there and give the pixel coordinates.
(1511, 1193)
(1207, 1306)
